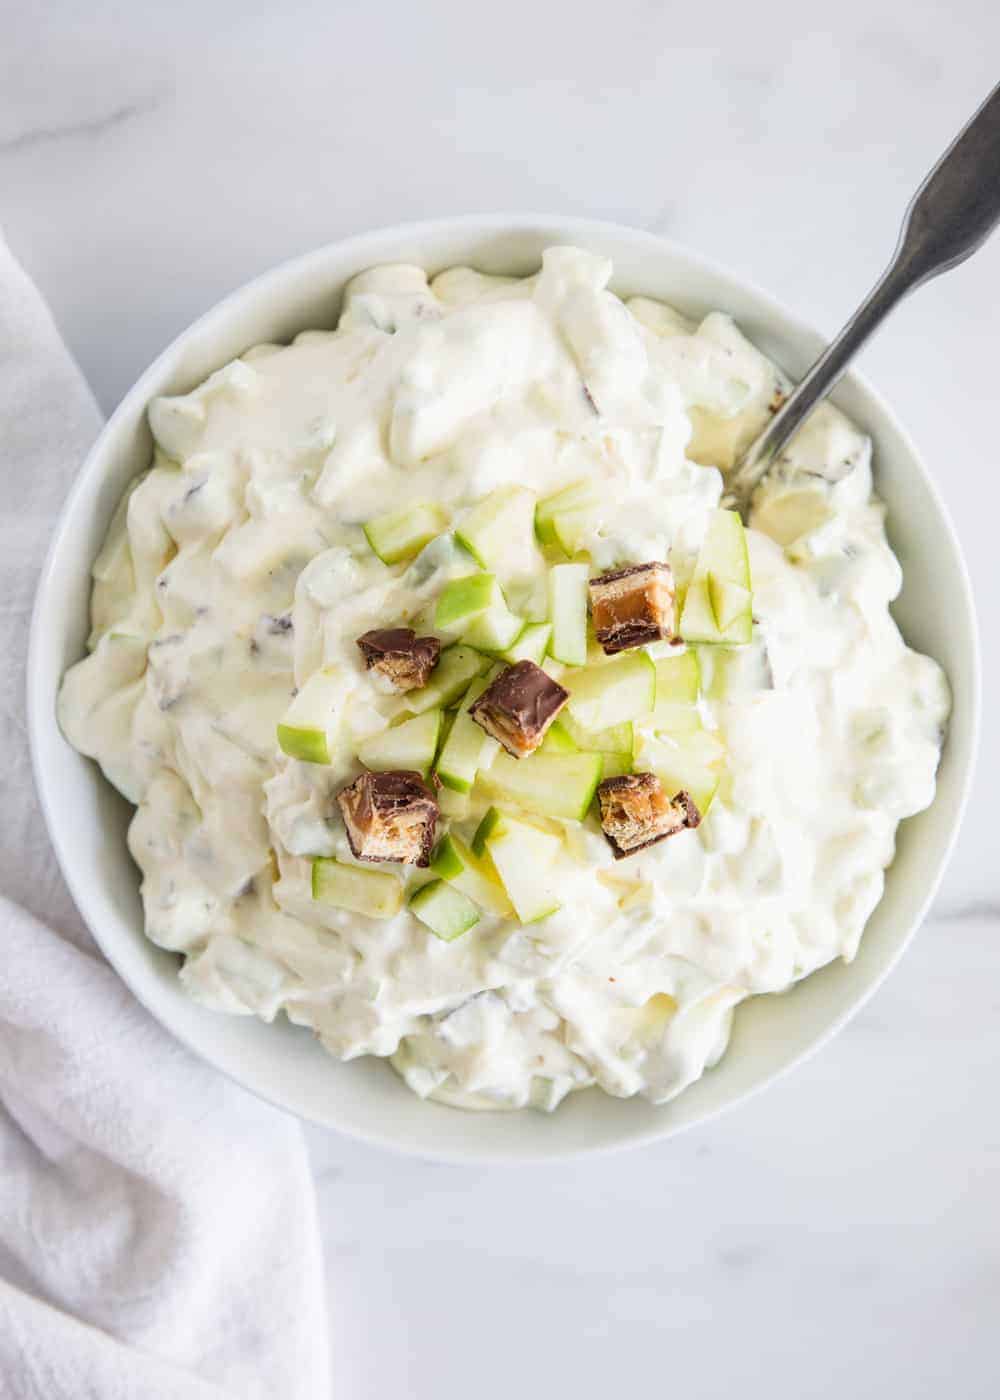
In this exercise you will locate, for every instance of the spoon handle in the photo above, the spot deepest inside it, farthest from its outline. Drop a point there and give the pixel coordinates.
(951, 215)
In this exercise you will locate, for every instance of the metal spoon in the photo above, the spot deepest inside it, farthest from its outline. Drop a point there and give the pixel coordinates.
(951, 215)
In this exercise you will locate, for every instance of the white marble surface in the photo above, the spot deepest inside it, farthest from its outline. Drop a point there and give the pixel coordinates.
(837, 1236)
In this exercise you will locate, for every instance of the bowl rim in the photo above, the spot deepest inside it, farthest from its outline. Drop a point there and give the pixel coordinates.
(576, 229)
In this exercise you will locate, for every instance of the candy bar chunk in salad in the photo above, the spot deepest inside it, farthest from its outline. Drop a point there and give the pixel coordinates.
(633, 606)
(636, 812)
(390, 816)
(518, 707)
(400, 656)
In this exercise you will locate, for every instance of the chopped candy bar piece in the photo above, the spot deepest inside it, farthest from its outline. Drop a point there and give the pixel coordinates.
(636, 812)
(390, 816)
(397, 653)
(633, 606)
(518, 707)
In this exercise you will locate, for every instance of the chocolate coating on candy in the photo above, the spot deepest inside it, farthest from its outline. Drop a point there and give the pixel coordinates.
(397, 653)
(519, 706)
(636, 812)
(390, 816)
(633, 606)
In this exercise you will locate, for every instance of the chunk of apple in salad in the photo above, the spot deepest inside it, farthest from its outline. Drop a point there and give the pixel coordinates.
(718, 605)
(307, 728)
(524, 857)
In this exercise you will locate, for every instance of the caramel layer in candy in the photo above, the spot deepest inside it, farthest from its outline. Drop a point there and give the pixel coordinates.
(397, 653)
(636, 812)
(390, 816)
(519, 706)
(633, 606)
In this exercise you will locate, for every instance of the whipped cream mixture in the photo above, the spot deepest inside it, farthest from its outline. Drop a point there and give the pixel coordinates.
(237, 566)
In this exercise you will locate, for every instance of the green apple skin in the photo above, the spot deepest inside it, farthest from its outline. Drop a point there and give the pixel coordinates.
(463, 599)
(732, 605)
(473, 874)
(308, 745)
(718, 606)
(495, 628)
(615, 693)
(523, 857)
(404, 533)
(617, 738)
(568, 613)
(558, 740)
(492, 818)
(531, 645)
(371, 892)
(499, 527)
(575, 529)
(550, 785)
(692, 763)
(678, 677)
(410, 745)
(579, 495)
(444, 910)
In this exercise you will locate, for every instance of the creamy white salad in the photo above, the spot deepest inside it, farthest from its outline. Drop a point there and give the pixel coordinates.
(308, 494)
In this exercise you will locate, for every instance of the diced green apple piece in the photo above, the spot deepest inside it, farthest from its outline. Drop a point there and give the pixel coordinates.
(462, 756)
(308, 745)
(724, 548)
(678, 681)
(448, 718)
(523, 857)
(449, 679)
(574, 529)
(678, 677)
(617, 738)
(554, 668)
(496, 628)
(718, 605)
(691, 763)
(498, 526)
(472, 874)
(446, 911)
(674, 717)
(615, 693)
(467, 748)
(454, 806)
(463, 599)
(410, 745)
(305, 728)
(528, 595)
(568, 613)
(716, 610)
(490, 820)
(579, 495)
(558, 739)
(446, 861)
(697, 618)
(403, 533)
(371, 892)
(531, 645)
(552, 785)
(731, 604)
(615, 765)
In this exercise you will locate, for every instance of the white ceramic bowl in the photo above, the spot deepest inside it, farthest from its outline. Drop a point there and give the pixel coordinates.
(87, 819)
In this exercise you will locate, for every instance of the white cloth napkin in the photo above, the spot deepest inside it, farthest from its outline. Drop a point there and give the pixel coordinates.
(158, 1233)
